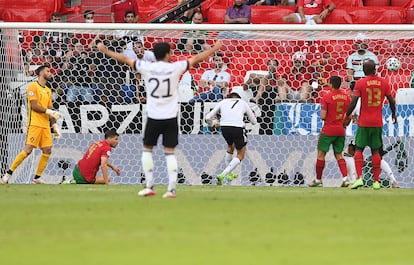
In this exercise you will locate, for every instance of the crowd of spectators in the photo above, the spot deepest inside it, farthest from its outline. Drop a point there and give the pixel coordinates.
(81, 74)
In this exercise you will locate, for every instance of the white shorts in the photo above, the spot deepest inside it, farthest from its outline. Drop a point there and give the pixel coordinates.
(309, 19)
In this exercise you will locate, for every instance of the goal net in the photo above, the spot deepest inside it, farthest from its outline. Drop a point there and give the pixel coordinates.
(282, 71)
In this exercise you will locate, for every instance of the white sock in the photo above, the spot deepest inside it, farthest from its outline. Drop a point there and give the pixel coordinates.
(172, 170)
(232, 165)
(228, 157)
(148, 166)
(387, 170)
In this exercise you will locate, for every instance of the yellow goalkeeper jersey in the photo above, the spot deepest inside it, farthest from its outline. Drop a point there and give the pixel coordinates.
(43, 95)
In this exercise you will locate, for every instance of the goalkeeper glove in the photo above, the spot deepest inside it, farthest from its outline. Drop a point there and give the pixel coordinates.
(212, 122)
(56, 132)
(54, 114)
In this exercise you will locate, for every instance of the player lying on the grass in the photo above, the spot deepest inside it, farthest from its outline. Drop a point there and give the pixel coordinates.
(161, 84)
(350, 163)
(97, 156)
(333, 108)
(232, 111)
(41, 117)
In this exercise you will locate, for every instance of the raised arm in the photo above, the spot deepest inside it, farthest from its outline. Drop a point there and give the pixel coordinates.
(204, 55)
(122, 58)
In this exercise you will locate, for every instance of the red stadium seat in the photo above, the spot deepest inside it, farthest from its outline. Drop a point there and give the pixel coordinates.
(377, 15)
(215, 15)
(410, 16)
(376, 2)
(348, 3)
(270, 15)
(338, 16)
(399, 2)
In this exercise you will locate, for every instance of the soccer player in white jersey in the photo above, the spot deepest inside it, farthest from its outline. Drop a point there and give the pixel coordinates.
(161, 82)
(232, 111)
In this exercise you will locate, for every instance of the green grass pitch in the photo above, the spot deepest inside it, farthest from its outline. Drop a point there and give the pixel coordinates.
(75, 224)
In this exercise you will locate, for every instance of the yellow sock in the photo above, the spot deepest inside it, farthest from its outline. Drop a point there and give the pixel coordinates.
(18, 160)
(42, 164)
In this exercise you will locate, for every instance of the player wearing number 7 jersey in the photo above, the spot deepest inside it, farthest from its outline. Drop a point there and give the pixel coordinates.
(372, 90)
(232, 111)
(161, 82)
(333, 107)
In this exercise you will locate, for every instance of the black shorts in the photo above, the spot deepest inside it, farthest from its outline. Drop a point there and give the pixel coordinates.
(167, 128)
(235, 135)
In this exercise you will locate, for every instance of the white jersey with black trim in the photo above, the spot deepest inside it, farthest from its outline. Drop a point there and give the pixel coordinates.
(161, 83)
(232, 112)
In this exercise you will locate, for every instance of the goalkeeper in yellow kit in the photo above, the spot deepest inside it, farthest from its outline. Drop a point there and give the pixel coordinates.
(39, 119)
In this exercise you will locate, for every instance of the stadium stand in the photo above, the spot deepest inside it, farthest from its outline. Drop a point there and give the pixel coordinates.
(346, 12)
(376, 2)
(248, 55)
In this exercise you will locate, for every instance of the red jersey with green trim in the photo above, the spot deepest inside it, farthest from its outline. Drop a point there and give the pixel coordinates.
(372, 91)
(91, 161)
(335, 103)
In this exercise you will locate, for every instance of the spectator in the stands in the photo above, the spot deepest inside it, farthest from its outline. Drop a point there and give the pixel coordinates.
(214, 82)
(194, 41)
(356, 59)
(28, 61)
(267, 2)
(89, 16)
(299, 79)
(78, 75)
(188, 14)
(56, 18)
(119, 7)
(126, 38)
(271, 85)
(143, 54)
(310, 12)
(239, 13)
(57, 41)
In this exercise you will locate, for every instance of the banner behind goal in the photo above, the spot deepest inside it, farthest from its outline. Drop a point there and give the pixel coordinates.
(282, 71)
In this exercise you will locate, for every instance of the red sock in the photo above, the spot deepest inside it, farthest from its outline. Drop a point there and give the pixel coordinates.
(376, 166)
(320, 165)
(359, 163)
(342, 167)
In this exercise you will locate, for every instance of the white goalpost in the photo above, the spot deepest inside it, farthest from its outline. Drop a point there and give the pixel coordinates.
(95, 93)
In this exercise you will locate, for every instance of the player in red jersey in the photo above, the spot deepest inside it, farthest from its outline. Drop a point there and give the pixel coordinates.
(372, 90)
(333, 106)
(96, 157)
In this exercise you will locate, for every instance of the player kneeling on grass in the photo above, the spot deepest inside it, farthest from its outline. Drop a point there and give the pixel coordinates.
(232, 111)
(96, 156)
(333, 108)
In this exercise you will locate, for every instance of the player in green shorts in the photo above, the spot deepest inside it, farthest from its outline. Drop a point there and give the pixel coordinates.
(371, 90)
(333, 106)
(369, 136)
(95, 158)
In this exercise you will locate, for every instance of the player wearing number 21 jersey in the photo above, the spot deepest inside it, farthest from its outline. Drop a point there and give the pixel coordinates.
(372, 90)
(232, 111)
(161, 82)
